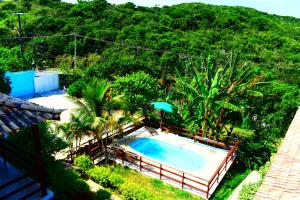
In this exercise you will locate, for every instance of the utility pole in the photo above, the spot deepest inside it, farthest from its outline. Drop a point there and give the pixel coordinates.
(75, 51)
(20, 33)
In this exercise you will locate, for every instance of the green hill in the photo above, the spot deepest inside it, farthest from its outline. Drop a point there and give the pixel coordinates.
(114, 40)
(271, 42)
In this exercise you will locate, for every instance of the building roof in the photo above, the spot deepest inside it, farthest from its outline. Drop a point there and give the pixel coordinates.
(16, 114)
(283, 178)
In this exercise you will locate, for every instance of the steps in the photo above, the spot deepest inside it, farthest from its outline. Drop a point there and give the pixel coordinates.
(17, 185)
(21, 187)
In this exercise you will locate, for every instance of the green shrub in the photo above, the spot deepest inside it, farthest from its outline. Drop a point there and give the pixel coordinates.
(132, 191)
(66, 184)
(102, 194)
(248, 191)
(75, 89)
(4, 83)
(84, 163)
(105, 177)
(232, 179)
(115, 180)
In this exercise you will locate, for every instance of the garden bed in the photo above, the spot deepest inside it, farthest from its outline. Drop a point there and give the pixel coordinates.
(130, 184)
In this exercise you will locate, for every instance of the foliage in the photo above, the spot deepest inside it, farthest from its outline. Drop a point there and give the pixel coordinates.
(83, 162)
(75, 129)
(138, 90)
(158, 41)
(232, 179)
(65, 80)
(132, 191)
(105, 177)
(9, 59)
(97, 107)
(50, 144)
(212, 92)
(75, 89)
(156, 188)
(248, 191)
(65, 183)
(102, 194)
(4, 83)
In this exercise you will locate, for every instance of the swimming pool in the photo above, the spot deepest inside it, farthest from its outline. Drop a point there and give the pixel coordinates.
(176, 156)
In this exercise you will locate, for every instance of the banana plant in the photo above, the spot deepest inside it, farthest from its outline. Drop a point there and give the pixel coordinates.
(211, 91)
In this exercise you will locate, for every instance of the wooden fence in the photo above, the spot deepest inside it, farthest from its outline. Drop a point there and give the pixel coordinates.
(95, 149)
(183, 178)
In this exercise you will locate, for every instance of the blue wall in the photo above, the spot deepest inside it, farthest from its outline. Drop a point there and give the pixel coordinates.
(22, 83)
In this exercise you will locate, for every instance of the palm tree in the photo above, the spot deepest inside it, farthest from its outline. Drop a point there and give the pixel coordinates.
(75, 129)
(213, 91)
(96, 108)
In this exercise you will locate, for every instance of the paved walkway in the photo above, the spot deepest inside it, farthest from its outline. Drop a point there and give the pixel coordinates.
(283, 178)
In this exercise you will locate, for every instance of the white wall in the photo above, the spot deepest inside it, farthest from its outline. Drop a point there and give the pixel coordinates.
(46, 81)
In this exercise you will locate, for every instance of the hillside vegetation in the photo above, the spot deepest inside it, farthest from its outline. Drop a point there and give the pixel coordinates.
(115, 40)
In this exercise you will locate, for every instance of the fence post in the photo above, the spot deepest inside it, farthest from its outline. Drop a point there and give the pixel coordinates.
(182, 182)
(207, 193)
(160, 169)
(140, 163)
(89, 149)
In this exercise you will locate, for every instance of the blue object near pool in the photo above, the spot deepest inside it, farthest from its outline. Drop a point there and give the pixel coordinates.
(169, 154)
(164, 106)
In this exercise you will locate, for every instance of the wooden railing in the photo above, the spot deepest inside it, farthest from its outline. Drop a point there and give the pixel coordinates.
(196, 137)
(223, 166)
(94, 147)
(183, 178)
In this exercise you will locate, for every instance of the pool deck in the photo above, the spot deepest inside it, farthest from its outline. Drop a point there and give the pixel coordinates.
(214, 157)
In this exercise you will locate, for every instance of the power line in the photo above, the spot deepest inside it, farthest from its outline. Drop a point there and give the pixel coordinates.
(135, 47)
(32, 37)
(181, 55)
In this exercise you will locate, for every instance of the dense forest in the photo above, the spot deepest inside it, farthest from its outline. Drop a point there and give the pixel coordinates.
(112, 41)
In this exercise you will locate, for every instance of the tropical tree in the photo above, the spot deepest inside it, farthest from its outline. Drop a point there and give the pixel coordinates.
(138, 90)
(205, 97)
(97, 109)
(75, 129)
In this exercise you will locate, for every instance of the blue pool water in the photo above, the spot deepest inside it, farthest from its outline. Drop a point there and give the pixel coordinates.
(173, 155)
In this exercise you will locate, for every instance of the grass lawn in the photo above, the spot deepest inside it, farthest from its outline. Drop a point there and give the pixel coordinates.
(154, 186)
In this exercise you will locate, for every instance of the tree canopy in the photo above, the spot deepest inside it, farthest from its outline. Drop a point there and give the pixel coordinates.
(130, 45)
